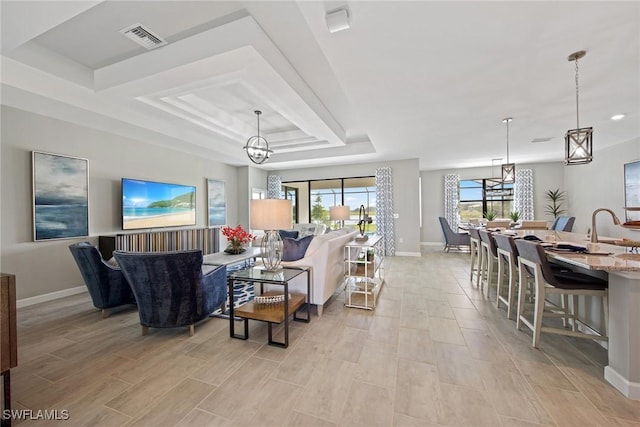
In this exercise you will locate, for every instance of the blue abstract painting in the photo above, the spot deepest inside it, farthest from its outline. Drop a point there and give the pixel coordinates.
(217, 205)
(60, 196)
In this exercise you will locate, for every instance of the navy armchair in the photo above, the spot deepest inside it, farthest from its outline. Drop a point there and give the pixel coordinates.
(171, 288)
(451, 238)
(106, 284)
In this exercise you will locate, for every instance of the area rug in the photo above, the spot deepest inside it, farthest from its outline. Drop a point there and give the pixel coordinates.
(243, 292)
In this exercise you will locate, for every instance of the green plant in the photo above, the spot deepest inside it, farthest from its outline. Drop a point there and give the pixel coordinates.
(490, 215)
(555, 197)
(515, 216)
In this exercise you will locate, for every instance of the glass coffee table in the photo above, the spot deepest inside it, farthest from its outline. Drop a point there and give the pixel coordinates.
(271, 307)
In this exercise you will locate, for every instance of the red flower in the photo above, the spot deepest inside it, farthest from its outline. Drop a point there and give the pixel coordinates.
(237, 236)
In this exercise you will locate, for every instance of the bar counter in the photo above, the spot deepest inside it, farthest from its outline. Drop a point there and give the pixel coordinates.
(623, 268)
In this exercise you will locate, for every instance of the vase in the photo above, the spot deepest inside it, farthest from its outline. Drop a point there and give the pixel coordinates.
(235, 249)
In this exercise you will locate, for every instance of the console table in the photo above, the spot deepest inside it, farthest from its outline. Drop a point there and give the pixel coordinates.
(364, 276)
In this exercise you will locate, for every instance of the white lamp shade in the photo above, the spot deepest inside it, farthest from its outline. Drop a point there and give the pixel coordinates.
(271, 214)
(339, 213)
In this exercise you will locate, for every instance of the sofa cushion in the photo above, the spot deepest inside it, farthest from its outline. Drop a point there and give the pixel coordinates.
(294, 249)
(291, 234)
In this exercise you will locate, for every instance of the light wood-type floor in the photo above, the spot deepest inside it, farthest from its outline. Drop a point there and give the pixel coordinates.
(434, 352)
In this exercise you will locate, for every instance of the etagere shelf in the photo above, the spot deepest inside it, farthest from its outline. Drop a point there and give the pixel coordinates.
(364, 272)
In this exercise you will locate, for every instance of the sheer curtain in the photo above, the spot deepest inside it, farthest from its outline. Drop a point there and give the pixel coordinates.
(274, 186)
(384, 209)
(451, 199)
(523, 194)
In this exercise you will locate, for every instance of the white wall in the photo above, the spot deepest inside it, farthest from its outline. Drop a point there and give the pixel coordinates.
(405, 191)
(545, 176)
(600, 184)
(46, 267)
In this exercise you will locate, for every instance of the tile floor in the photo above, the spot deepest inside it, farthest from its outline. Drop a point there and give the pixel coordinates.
(434, 352)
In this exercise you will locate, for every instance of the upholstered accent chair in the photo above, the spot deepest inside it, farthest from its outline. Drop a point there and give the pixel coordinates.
(563, 223)
(171, 288)
(106, 284)
(453, 239)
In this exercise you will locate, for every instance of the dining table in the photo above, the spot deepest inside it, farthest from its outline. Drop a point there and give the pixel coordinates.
(621, 264)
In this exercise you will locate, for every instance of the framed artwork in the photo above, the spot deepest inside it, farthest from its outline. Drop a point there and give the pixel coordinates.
(217, 204)
(60, 196)
(632, 190)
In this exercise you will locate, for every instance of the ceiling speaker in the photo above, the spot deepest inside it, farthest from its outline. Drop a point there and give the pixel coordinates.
(337, 20)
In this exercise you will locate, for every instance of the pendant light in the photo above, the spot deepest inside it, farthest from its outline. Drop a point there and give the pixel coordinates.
(579, 141)
(508, 169)
(257, 147)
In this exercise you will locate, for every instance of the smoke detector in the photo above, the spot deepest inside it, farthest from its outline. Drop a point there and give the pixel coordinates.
(143, 36)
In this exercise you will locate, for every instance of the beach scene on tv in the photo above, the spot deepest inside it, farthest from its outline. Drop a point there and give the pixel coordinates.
(147, 204)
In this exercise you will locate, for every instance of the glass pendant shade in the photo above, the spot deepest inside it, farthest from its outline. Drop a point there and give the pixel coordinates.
(257, 147)
(578, 146)
(508, 169)
(578, 142)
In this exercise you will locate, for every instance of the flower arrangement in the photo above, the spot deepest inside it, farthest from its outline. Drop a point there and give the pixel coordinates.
(237, 237)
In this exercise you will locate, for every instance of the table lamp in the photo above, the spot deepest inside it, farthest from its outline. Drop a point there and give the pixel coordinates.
(271, 215)
(339, 213)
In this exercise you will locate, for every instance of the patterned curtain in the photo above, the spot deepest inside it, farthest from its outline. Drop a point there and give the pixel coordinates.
(451, 199)
(384, 209)
(274, 186)
(523, 194)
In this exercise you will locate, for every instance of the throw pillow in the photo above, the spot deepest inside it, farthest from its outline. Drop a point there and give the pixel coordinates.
(112, 262)
(291, 234)
(294, 249)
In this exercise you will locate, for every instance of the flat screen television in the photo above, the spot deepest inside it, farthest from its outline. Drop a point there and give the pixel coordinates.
(148, 204)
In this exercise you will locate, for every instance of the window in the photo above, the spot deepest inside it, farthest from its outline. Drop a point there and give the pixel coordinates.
(320, 195)
(483, 195)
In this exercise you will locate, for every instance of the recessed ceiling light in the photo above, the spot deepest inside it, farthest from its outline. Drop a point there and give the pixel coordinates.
(617, 117)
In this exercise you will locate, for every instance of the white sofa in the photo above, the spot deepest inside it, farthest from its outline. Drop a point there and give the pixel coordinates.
(325, 258)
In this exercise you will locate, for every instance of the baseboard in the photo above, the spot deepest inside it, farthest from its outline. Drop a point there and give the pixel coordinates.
(626, 387)
(25, 302)
(441, 244)
(407, 253)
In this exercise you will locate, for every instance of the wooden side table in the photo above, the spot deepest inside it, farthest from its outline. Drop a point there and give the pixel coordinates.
(269, 312)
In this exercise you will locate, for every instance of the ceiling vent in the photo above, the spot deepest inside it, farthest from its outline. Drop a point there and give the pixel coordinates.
(143, 36)
(545, 139)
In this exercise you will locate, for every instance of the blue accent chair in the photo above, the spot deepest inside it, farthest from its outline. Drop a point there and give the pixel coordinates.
(107, 285)
(171, 288)
(451, 238)
(563, 223)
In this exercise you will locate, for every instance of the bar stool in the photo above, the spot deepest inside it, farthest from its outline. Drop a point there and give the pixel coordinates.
(533, 261)
(507, 263)
(489, 259)
(474, 244)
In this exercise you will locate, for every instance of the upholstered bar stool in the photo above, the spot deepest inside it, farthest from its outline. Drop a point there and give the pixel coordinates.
(533, 261)
(474, 243)
(489, 259)
(507, 264)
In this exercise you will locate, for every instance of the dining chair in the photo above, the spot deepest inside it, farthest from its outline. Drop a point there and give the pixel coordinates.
(499, 223)
(507, 266)
(489, 259)
(474, 244)
(533, 262)
(563, 223)
(534, 225)
(451, 238)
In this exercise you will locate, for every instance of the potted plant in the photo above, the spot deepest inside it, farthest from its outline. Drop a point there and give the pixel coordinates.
(555, 197)
(515, 217)
(238, 238)
(490, 215)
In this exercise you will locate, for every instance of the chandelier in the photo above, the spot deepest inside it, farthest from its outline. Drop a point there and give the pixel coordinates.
(508, 169)
(579, 141)
(257, 147)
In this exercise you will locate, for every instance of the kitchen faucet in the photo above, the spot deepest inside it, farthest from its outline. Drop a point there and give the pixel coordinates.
(594, 233)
